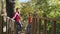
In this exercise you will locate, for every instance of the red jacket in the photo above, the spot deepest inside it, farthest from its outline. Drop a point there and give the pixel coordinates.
(29, 19)
(16, 16)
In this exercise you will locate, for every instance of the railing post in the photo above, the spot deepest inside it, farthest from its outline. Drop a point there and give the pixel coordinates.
(54, 27)
(1, 21)
(45, 27)
(15, 31)
(39, 25)
(32, 27)
(7, 26)
(13, 27)
(35, 25)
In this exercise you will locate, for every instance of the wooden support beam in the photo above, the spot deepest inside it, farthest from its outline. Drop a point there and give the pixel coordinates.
(53, 27)
(35, 26)
(1, 29)
(45, 27)
(39, 25)
(32, 26)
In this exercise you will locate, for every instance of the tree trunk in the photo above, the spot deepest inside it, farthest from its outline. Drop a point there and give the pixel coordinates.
(9, 8)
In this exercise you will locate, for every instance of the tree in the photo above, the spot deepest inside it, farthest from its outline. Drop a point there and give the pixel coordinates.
(10, 8)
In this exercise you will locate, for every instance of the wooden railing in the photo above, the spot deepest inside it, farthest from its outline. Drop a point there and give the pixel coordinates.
(9, 23)
(39, 25)
(38, 28)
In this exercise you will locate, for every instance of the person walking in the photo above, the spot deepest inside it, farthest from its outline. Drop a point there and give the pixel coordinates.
(17, 18)
(29, 24)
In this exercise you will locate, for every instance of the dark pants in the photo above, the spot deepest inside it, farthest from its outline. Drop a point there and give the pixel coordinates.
(18, 27)
(28, 29)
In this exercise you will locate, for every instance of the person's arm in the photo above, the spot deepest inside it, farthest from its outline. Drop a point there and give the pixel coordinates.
(14, 16)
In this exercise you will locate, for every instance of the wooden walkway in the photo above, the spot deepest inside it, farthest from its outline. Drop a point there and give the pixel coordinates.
(23, 32)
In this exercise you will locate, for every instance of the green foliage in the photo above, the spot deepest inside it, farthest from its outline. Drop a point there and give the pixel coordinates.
(45, 8)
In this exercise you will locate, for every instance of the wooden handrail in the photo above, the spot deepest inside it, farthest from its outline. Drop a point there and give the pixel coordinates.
(34, 26)
(10, 25)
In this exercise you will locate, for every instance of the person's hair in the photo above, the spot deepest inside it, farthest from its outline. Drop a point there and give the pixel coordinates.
(17, 8)
(29, 14)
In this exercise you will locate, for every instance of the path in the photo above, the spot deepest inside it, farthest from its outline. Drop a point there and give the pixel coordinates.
(23, 32)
